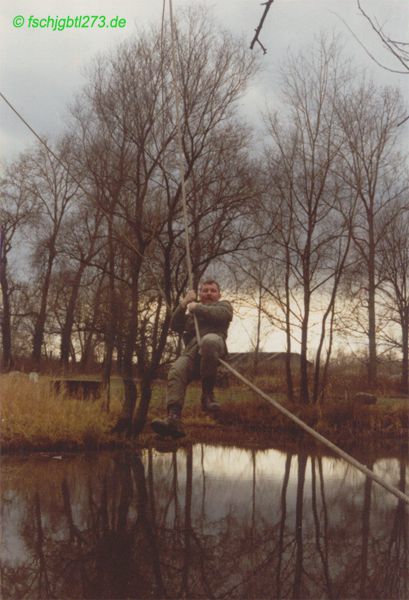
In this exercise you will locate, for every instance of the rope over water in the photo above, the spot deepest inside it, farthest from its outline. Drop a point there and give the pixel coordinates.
(350, 459)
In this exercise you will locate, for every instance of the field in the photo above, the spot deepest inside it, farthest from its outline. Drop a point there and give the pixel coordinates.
(36, 418)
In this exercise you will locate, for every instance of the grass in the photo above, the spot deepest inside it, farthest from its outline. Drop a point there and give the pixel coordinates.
(34, 417)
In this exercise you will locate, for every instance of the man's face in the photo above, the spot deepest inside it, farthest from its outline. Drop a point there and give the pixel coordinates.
(209, 292)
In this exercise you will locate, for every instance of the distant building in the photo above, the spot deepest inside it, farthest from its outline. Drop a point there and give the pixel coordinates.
(268, 362)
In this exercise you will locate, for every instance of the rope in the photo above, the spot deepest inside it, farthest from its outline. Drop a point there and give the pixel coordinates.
(401, 495)
(40, 139)
(90, 196)
(180, 145)
(180, 160)
(347, 457)
(398, 493)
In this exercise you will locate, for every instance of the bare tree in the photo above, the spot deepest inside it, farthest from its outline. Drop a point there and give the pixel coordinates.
(373, 170)
(126, 126)
(393, 256)
(51, 189)
(80, 244)
(16, 211)
(313, 235)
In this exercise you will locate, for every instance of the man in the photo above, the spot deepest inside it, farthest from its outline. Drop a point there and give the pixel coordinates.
(213, 316)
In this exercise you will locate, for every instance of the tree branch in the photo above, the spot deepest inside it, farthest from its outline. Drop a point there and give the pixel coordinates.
(260, 26)
(393, 47)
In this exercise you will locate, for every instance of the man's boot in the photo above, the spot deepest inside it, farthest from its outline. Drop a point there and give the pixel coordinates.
(207, 400)
(172, 425)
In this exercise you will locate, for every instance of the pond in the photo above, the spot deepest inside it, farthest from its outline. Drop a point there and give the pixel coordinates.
(201, 522)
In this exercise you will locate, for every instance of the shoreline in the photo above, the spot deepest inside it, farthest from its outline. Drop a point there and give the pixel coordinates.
(216, 435)
(34, 418)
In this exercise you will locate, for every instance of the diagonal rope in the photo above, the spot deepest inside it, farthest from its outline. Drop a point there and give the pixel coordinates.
(367, 472)
(107, 215)
(40, 139)
(361, 467)
(347, 457)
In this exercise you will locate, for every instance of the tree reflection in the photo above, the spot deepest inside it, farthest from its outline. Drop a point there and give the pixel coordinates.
(41, 578)
(321, 532)
(280, 552)
(161, 526)
(396, 581)
(366, 513)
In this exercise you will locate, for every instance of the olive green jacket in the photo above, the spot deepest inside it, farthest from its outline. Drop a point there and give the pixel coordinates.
(211, 318)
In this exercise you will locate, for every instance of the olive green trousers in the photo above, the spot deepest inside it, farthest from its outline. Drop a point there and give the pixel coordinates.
(191, 365)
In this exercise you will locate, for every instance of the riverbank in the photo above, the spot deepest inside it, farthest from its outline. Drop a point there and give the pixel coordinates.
(34, 417)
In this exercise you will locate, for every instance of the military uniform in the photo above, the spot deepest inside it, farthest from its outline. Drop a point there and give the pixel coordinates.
(213, 321)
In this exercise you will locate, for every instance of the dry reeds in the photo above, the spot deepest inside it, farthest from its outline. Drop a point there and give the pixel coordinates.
(340, 422)
(34, 416)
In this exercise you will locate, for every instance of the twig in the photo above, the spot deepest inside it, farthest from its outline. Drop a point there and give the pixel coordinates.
(403, 121)
(260, 26)
(371, 56)
(392, 46)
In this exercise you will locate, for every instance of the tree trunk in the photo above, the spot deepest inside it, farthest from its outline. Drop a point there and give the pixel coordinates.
(304, 392)
(324, 378)
(38, 336)
(69, 317)
(405, 353)
(320, 379)
(143, 406)
(372, 359)
(6, 320)
(258, 330)
(158, 343)
(288, 372)
(112, 321)
(127, 369)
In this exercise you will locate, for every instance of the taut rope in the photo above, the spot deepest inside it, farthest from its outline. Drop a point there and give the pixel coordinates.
(100, 206)
(180, 157)
(390, 488)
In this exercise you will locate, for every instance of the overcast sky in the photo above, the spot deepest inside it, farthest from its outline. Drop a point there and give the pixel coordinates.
(41, 70)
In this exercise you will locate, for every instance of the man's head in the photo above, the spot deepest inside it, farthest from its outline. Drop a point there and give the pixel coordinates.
(209, 291)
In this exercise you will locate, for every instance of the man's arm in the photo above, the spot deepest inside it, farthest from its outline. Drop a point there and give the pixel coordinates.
(217, 313)
(177, 322)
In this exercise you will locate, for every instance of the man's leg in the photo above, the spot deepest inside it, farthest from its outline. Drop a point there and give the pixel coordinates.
(213, 347)
(180, 374)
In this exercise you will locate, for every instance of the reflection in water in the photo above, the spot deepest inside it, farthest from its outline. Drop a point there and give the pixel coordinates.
(205, 522)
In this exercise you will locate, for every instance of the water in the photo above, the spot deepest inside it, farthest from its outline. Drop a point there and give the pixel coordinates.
(206, 522)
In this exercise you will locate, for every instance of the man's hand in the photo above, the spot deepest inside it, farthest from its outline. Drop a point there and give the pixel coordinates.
(191, 306)
(189, 298)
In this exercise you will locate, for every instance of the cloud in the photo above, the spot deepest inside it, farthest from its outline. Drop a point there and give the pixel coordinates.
(44, 69)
